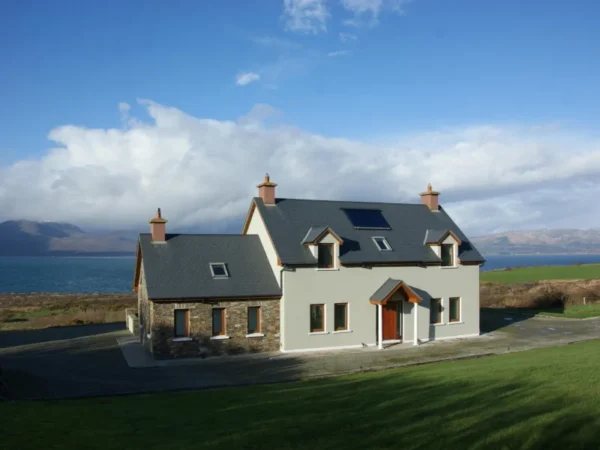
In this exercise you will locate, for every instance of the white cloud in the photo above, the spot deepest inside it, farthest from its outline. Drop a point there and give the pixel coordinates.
(246, 78)
(348, 37)
(338, 53)
(370, 10)
(203, 172)
(305, 16)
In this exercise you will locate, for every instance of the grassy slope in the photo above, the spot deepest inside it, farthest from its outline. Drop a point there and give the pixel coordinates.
(539, 399)
(525, 274)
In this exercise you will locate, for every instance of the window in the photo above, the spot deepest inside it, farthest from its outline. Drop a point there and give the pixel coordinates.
(447, 255)
(253, 319)
(341, 317)
(182, 322)
(454, 309)
(367, 218)
(382, 244)
(435, 312)
(317, 318)
(325, 256)
(218, 322)
(219, 270)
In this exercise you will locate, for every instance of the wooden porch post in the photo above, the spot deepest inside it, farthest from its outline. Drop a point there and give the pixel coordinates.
(379, 327)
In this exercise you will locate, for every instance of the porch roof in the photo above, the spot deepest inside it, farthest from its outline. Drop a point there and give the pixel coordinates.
(387, 290)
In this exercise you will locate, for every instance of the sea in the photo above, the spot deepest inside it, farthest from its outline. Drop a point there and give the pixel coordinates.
(105, 275)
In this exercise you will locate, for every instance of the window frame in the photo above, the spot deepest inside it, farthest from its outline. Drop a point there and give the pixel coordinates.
(388, 247)
(458, 310)
(440, 311)
(346, 317)
(218, 264)
(223, 322)
(323, 319)
(258, 320)
(187, 323)
(453, 254)
(332, 266)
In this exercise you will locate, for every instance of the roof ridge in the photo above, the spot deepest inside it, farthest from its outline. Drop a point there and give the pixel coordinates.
(349, 201)
(202, 234)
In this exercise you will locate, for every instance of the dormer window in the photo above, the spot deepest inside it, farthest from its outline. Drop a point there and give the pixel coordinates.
(219, 270)
(382, 244)
(325, 257)
(447, 255)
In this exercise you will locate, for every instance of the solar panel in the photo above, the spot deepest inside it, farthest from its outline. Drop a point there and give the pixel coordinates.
(367, 218)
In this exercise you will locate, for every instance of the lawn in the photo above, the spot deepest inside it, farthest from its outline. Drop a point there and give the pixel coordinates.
(538, 399)
(526, 274)
(570, 312)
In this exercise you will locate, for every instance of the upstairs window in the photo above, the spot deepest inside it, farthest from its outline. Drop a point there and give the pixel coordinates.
(325, 256)
(447, 255)
(367, 219)
(382, 244)
(219, 270)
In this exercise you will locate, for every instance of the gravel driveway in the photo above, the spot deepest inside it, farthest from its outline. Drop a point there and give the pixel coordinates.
(86, 361)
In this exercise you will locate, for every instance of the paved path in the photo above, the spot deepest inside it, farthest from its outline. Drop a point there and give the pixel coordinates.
(87, 361)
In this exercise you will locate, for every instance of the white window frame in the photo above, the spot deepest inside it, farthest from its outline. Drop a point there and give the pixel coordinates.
(388, 247)
(212, 271)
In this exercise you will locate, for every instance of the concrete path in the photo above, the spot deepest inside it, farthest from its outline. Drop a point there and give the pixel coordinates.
(88, 361)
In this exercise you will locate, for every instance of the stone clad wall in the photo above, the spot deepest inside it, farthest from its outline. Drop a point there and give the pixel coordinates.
(165, 345)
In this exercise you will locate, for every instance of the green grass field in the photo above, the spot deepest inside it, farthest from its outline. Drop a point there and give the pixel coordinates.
(570, 312)
(532, 400)
(525, 274)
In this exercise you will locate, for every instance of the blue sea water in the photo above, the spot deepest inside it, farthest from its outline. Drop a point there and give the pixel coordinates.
(115, 274)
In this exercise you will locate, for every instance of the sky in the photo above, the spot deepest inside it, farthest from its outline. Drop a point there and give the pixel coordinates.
(111, 109)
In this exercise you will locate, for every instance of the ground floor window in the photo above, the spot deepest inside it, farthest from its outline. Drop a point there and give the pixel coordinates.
(317, 318)
(182, 322)
(218, 322)
(253, 319)
(341, 316)
(435, 311)
(454, 309)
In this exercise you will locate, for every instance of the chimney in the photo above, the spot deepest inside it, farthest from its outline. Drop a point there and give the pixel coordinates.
(158, 228)
(430, 198)
(266, 191)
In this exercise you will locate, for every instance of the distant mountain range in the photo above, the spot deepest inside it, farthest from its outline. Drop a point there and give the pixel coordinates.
(27, 238)
(544, 241)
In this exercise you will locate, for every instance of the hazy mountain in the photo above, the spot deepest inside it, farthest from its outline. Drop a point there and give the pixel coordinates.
(27, 238)
(544, 241)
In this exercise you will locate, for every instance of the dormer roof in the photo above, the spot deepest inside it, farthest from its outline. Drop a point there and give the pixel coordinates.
(315, 234)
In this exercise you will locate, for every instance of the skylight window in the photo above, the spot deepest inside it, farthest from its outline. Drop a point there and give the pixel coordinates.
(219, 270)
(382, 244)
(371, 219)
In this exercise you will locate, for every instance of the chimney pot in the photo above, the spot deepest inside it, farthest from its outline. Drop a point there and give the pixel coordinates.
(158, 228)
(266, 190)
(430, 198)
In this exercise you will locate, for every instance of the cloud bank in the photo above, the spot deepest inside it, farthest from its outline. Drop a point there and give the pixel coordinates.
(203, 172)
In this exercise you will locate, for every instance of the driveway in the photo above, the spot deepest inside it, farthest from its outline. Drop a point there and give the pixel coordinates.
(86, 361)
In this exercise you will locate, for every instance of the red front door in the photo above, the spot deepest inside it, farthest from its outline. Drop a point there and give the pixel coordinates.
(390, 321)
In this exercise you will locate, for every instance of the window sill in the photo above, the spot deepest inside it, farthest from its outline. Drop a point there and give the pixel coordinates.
(182, 339)
(437, 324)
(449, 267)
(313, 333)
(455, 323)
(341, 331)
(219, 338)
(255, 335)
(333, 269)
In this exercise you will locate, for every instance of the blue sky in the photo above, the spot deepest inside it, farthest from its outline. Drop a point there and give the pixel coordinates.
(370, 72)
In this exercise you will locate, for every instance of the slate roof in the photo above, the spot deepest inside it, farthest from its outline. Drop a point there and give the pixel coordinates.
(289, 219)
(180, 268)
(312, 234)
(434, 236)
(389, 286)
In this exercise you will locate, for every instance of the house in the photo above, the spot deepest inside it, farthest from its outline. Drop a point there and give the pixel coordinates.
(308, 275)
